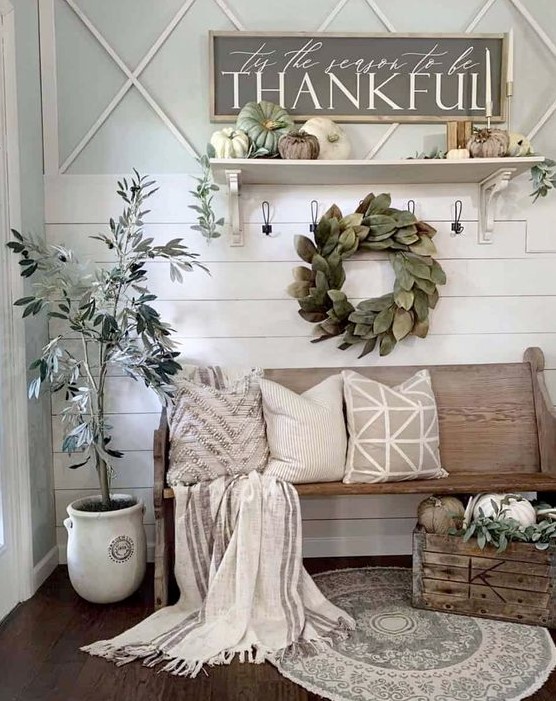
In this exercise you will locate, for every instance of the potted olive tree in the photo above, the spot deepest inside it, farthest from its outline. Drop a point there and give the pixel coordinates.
(109, 310)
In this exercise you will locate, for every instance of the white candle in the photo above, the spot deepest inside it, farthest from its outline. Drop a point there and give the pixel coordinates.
(488, 86)
(510, 75)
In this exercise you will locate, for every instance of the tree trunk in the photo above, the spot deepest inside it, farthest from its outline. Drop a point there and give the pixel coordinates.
(102, 469)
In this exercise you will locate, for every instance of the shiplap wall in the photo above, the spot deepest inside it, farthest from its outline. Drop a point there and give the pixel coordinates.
(499, 299)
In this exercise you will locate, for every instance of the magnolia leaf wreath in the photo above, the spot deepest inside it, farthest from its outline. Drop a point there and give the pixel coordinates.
(374, 226)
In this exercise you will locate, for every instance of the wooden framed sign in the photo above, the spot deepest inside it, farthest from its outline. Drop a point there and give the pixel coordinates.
(360, 77)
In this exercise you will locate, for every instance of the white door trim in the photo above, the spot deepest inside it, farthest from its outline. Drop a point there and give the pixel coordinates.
(16, 437)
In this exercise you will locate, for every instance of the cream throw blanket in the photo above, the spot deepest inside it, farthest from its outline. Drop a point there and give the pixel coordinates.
(243, 586)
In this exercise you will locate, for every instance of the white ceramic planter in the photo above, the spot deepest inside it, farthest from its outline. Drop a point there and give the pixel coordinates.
(107, 551)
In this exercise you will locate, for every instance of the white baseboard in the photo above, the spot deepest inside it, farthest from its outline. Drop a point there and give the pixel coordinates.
(63, 559)
(43, 569)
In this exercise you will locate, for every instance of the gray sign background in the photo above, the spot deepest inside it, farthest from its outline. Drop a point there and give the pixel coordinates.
(307, 60)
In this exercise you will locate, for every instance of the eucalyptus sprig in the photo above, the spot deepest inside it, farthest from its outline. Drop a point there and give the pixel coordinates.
(207, 224)
(543, 177)
(109, 310)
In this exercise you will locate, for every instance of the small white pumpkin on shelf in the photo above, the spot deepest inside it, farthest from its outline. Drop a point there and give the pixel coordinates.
(457, 154)
(333, 140)
(230, 143)
(519, 145)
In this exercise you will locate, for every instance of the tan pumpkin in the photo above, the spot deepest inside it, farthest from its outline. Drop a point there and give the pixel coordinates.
(440, 514)
(488, 143)
(298, 145)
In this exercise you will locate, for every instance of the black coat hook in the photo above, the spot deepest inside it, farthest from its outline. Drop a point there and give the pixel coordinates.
(314, 216)
(266, 227)
(457, 227)
(411, 206)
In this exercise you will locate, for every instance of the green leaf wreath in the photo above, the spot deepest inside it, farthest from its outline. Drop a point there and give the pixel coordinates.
(374, 226)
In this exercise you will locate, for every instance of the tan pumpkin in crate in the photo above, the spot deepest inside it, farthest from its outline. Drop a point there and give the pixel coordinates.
(440, 514)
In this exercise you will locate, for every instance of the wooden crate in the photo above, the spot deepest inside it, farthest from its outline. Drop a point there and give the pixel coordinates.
(452, 576)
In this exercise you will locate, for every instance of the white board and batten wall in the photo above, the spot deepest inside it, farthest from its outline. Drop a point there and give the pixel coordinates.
(500, 298)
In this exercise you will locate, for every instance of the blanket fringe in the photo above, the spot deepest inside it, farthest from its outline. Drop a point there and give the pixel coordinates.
(180, 667)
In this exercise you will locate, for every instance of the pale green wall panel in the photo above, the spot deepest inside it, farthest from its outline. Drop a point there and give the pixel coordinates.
(409, 139)
(545, 11)
(131, 27)
(363, 137)
(178, 77)
(178, 80)
(88, 78)
(32, 220)
(356, 16)
(287, 15)
(431, 15)
(534, 70)
(133, 137)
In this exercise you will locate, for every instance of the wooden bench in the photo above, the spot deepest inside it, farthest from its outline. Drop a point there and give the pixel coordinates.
(497, 433)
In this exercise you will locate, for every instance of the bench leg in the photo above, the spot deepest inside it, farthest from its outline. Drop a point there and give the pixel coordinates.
(161, 560)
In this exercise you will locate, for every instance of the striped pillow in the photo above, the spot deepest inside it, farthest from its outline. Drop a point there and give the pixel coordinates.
(306, 432)
(217, 426)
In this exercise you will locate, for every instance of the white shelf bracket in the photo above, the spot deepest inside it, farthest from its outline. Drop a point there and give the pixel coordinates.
(233, 178)
(490, 190)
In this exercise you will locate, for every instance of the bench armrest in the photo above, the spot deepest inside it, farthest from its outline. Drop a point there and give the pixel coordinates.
(161, 441)
(544, 410)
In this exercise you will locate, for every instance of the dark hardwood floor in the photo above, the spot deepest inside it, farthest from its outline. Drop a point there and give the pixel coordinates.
(40, 658)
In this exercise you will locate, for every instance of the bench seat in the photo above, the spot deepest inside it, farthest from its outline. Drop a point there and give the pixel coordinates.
(459, 483)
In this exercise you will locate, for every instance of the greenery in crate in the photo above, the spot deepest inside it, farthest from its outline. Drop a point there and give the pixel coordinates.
(109, 310)
(500, 530)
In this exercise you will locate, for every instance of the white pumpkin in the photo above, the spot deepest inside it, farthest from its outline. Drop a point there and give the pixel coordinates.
(519, 145)
(514, 507)
(230, 143)
(456, 154)
(333, 141)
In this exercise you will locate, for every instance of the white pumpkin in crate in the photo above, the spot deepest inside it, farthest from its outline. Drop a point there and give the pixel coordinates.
(503, 506)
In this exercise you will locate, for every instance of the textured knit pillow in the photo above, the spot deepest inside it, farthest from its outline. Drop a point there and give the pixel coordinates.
(216, 426)
(306, 432)
(393, 431)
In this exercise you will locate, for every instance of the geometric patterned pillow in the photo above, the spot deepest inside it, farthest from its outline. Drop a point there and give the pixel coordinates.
(216, 428)
(393, 431)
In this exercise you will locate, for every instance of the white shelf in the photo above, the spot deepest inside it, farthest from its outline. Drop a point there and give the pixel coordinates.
(492, 176)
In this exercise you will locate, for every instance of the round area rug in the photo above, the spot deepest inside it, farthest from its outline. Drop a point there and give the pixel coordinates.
(398, 653)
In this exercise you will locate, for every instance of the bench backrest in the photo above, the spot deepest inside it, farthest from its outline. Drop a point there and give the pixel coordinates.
(487, 414)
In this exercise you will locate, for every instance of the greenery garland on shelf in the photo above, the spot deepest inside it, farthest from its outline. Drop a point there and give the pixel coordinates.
(385, 320)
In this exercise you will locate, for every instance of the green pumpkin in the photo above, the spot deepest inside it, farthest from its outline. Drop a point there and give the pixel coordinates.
(264, 123)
